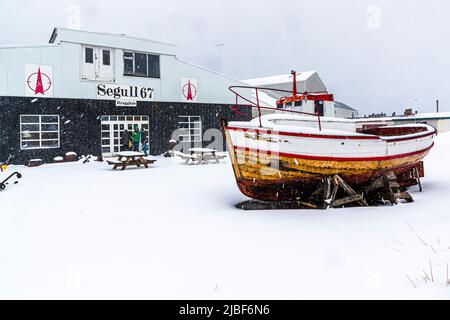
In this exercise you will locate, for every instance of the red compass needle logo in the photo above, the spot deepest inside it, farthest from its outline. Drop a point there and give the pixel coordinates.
(189, 91)
(39, 82)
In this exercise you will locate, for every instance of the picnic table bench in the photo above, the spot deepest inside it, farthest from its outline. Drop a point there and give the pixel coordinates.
(201, 155)
(130, 159)
(187, 157)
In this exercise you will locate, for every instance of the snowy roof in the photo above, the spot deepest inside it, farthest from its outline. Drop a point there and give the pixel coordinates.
(417, 117)
(30, 45)
(120, 41)
(56, 35)
(279, 79)
(341, 105)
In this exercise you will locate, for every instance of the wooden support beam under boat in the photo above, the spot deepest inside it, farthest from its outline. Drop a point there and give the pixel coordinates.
(354, 197)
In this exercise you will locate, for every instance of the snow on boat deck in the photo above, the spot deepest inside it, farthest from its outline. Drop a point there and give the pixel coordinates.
(171, 231)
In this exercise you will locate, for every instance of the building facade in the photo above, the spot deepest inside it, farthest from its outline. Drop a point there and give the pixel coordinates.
(307, 81)
(80, 91)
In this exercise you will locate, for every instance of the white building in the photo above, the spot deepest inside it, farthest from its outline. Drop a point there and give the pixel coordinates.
(82, 90)
(308, 81)
(74, 62)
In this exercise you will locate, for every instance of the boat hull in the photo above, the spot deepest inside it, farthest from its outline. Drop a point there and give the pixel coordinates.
(271, 172)
(293, 179)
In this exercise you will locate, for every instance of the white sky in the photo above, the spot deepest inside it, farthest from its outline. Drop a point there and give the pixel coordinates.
(380, 55)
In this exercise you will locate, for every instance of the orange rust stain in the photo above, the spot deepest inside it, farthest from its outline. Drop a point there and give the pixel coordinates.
(251, 165)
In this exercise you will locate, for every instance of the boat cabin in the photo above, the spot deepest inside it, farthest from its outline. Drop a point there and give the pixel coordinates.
(318, 103)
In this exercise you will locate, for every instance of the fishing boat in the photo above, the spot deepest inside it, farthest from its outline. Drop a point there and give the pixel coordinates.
(279, 157)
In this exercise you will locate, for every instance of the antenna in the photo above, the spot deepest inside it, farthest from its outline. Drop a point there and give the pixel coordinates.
(220, 46)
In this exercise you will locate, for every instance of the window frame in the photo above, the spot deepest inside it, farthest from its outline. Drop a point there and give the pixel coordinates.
(190, 127)
(103, 57)
(40, 131)
(86, 48)
(133, 59)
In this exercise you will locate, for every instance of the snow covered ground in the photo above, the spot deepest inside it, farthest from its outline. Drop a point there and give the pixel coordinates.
(83, 231)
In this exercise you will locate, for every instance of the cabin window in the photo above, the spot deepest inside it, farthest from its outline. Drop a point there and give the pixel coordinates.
(39, 132)
(141, 64)
(318, 108)
(298, 103)
(190, 128)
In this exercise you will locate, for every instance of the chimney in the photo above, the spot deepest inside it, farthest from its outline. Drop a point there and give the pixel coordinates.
(437, 106)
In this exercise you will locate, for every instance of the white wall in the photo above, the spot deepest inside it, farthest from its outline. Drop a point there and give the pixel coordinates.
(345, 113)
(15, 59)
(65, 57)
(2, 73)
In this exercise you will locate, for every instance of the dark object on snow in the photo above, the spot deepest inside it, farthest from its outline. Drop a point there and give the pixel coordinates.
(284, 205)
(4, 182)
(99, 158)
(172, 144)
(58, 160)
(35, 163)
(71, 157)
(87, 159)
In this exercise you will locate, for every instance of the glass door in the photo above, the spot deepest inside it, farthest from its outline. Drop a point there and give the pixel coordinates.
(113, 127)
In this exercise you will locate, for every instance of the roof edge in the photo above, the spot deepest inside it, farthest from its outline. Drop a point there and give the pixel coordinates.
(55, 34)
(209, 70)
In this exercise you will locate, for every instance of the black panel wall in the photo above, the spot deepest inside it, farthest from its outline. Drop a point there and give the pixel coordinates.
(80, 122)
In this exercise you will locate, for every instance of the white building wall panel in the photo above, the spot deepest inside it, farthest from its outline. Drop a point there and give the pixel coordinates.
(66, 59)
(3, 79)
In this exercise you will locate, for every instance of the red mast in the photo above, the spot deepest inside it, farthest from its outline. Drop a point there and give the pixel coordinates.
(294, 87)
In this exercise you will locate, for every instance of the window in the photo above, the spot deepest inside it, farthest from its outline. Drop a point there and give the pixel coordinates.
(153, 66)
(89, 55)
(106, 57)
(39, 132)
(141, 64)
(190, 129)
(318, 108)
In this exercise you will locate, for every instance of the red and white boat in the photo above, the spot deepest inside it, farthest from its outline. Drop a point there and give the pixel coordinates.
(279, 157)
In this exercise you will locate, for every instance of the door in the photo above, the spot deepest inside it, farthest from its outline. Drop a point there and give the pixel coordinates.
(97, 64)
(318, 108)
(105, 61)
(113, 128)
(88, 63)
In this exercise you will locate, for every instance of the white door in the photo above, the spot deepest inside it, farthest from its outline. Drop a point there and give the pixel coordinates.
(105, 64)
(113, 128)
(88, 63)
(97, 63)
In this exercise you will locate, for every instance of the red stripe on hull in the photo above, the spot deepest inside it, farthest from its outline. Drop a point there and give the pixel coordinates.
(411, 138)
(324, 136)
(300, 156)
(306, 135)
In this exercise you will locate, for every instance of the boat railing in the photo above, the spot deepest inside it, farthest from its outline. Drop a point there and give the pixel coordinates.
(257, 104)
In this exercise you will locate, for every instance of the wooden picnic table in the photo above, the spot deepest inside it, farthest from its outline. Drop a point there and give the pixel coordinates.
(130, 158)
(204, 154)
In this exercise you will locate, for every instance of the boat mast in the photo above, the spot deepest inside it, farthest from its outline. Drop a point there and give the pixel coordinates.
(294, 86)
